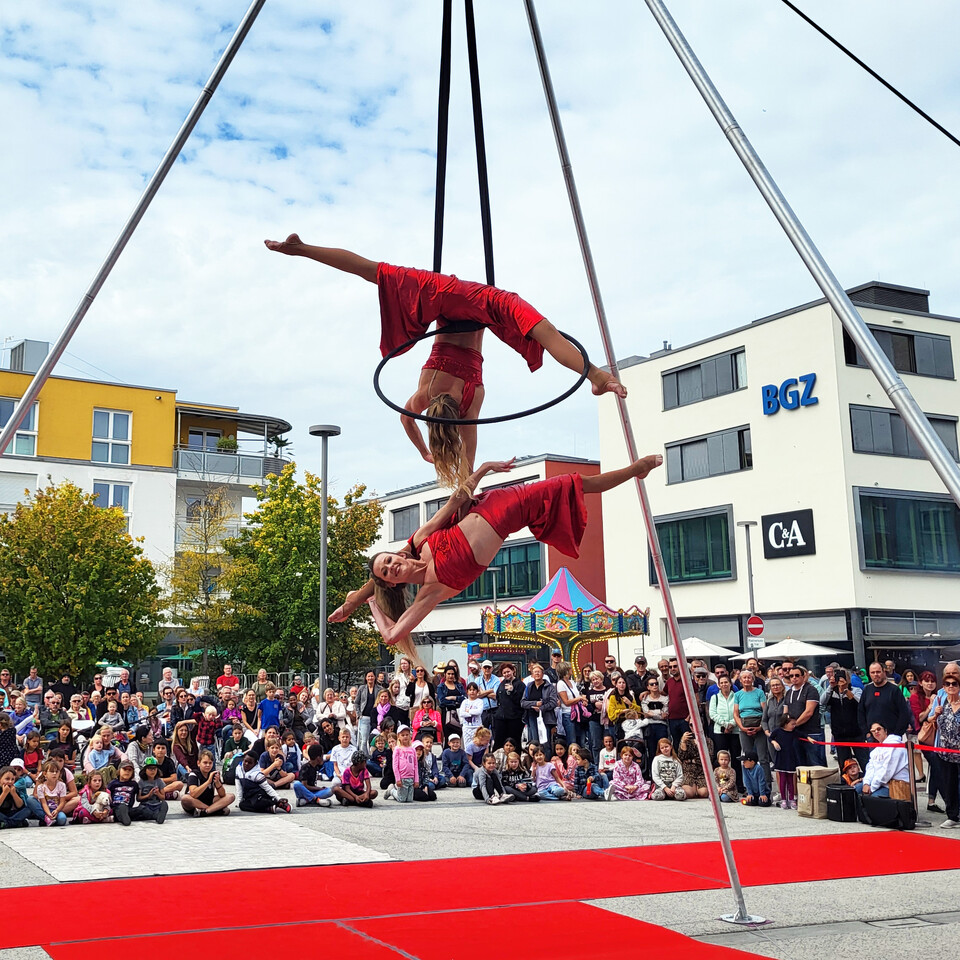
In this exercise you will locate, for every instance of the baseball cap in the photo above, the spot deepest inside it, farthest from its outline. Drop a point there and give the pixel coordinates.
(453, 736)
(151, 762)
(487, 663)
(556, 652)
(17, 762)
(639, 659)
(402, 727)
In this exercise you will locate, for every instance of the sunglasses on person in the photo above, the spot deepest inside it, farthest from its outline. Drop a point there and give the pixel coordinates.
(610, 660)
(796, 674)
(951, 683)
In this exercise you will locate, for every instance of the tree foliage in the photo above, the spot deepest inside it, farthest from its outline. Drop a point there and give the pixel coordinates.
(74, 586)
(196, 600)
(274, 581)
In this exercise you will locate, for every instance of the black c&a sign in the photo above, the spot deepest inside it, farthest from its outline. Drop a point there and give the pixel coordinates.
(788, 534)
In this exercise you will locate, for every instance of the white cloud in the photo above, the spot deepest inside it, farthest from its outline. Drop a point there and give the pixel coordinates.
(326, 124)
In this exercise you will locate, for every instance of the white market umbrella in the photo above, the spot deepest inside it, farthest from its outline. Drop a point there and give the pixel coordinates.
(692, 647)
(790, 648)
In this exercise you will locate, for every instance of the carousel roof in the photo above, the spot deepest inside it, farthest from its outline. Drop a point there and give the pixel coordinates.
(566, 593)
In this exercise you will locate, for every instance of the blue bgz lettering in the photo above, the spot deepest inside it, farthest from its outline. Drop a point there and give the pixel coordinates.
(787, 395)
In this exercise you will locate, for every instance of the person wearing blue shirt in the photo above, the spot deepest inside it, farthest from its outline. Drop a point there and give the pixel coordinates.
(268, 710)
(755, 786)
(719, 671)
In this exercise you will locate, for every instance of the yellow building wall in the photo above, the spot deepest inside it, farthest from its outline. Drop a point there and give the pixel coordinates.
(65, 417)
(227, 428)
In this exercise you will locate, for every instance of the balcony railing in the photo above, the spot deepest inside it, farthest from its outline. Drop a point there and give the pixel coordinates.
(223, 467)
(191, 536)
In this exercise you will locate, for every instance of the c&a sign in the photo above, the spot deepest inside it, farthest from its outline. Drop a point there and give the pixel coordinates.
(788, 534)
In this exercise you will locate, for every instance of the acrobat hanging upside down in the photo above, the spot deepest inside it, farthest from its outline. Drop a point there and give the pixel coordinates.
(451, 381)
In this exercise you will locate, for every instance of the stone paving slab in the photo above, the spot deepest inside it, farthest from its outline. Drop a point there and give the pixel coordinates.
(190, 844)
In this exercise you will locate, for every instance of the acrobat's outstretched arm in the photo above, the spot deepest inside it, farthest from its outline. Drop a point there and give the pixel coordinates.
(335, 257)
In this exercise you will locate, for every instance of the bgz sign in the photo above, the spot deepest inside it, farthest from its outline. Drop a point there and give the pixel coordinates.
(788, 534)
(788, 395)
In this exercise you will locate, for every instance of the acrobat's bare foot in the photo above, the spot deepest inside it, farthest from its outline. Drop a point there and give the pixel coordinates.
(644, 465)
(291, 246)
(605, 382)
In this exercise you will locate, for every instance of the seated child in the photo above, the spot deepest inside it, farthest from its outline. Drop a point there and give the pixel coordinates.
(516, 781)
(150, 802)
(666, 771)
(628, 782)
(307, 787)
(51, 791)
(608, 755)
(94, 806)
(432, 768)
(292, 757)
(587, 781)
(509, 746)
(256, 792)
(271, 762)
(726, 778)
(851, 772)
(547, 780)
(487, 786)
(632, 730)
(378, 756)
(455, 768)
(356, 788)
(424, 789)
(755, 786)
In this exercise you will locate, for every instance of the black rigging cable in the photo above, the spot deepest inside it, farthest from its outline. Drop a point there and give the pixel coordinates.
(443, 116)
(873, 73)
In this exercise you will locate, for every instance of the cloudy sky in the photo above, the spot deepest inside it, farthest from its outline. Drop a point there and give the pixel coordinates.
(326, 124)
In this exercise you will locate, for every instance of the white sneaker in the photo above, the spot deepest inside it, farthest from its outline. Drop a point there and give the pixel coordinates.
(302, 801)
(608, 793)
(322, 802)
(390, 793)
(950, 824)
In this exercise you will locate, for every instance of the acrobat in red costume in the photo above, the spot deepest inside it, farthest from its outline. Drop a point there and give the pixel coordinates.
(411, 300)
(461, 540)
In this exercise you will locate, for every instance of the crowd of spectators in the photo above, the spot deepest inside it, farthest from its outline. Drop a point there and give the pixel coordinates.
(106, 753)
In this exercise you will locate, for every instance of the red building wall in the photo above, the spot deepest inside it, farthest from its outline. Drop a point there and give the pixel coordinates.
(588, 568)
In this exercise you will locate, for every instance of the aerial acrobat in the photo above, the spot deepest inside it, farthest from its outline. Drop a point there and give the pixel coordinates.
(451, 381)
(460, 541)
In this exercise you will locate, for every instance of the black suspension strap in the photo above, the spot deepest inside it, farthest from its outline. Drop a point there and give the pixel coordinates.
(873, 73)
(443, 116)
(485, 221)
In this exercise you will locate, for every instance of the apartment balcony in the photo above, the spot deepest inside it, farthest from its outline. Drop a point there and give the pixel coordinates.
(191, 535)
(223, 467)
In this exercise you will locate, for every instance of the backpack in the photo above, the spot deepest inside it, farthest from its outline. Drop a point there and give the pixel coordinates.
(886, 812)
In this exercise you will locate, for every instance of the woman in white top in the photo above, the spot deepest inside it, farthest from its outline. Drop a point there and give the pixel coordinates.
(569, 696)
(885, 764)
(333, 708)
(470, 712)
(398, 694)
(404, 672)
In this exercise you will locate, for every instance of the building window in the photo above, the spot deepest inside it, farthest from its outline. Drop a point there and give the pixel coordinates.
(519, 576)
(725, 452)
(876, 430)
(202, 508)
(109, 495)
(24, 443)
(712, 377)
(111, 437)
(15, 488)
(432, 506)
(198, 439)
(909, 531)
(696, 547)
(406, 520)
(926, 354)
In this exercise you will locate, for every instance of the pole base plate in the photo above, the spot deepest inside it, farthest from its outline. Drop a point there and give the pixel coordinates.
(743, 919)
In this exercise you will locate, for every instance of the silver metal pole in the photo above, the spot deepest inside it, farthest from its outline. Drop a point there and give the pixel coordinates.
(908, 408)
(747, 524)
(322, 649)
(46, 368)
(741, 916)
(324, 431)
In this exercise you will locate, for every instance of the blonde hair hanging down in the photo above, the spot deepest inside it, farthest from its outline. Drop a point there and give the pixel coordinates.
(446, 445)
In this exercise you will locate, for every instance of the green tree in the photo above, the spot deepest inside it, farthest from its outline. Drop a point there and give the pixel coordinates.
(195, 598)
(274, 581)
(75, 588)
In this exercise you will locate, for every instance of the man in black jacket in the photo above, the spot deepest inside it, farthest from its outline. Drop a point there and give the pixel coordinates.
(509, 714)
(883, 702)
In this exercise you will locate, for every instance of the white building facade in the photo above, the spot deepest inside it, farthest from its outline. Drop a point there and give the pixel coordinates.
(778, 431)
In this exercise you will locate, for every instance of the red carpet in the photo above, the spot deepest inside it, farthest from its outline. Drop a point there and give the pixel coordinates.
(199, 901)
(586, 933)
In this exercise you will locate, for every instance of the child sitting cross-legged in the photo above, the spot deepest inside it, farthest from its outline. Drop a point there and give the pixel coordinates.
(356, 788)
(608, 755)
(587, 782)
(726, 778)
(547, 780)
(150, 802)
(455, 768)
(205, 795)
(486, 783)
(516, 780)
(271, 762)
(667, 773)
(94, 806)
(628, 782)
(256, 792)
(308, 788)
(755, 784)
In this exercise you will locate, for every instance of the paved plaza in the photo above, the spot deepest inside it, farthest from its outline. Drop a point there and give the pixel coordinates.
(903, 915)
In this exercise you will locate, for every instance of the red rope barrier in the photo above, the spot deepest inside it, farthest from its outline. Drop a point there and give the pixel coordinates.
(871, 746)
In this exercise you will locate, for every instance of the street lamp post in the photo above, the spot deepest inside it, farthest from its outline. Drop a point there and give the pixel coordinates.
(324, 431)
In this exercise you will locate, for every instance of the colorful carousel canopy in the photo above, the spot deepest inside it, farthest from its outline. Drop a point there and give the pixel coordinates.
(564, 608)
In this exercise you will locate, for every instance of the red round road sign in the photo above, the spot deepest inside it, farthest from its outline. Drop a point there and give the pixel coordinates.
(755, 626)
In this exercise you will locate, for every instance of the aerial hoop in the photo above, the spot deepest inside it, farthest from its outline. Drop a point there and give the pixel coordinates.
(463, 327)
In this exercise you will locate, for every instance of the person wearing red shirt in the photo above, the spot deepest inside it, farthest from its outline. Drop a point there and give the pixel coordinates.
(678, 713)
(228, 678)
(297, 686)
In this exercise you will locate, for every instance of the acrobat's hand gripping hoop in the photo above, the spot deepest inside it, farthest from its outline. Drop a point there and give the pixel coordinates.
(465, 327)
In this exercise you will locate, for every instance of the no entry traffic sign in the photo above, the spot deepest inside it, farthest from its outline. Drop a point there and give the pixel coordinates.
(755, 626)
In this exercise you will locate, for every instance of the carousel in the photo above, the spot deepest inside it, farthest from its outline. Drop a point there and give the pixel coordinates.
(564, 615)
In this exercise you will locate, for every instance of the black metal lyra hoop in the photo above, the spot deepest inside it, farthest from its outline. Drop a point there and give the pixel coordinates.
(464, 327)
